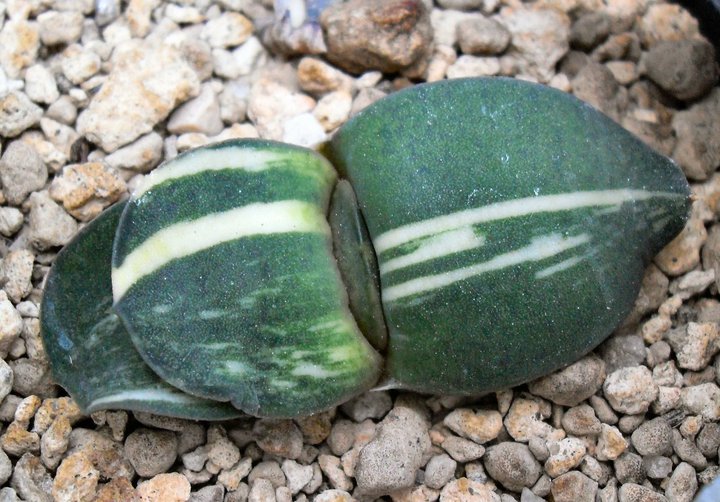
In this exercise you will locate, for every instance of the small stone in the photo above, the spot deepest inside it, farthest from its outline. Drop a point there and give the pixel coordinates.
(54, 442)
(11, 324)
(581, 421)
(151, 79)
(694, 344)
(565, 455)
(330, 466)
(6, 468)
(231, 478)
(223, 453)
(318, 77)
(213, 493)
(17, 441)
(32, 376)
(703, 399)
(227, 30)
(539, 39)
(666, 23)
(512, 465)
(262, 491)
(195, 459)
(271, 104)
(279, 437)
(60, 27)
(114, 490)
(390, 36)
(142, 155)
(63, 110)
(20, 40)
(595, 84)
(183, 14)
(574, 486)
(76, 479)
(79, 64)
(22, 171)
(653, 438)
(297, 475)
(333, 110)
(303, 130)
(684, 68)
(683, 252)
(462, 450)
(629, 468)
(631, 492)
(590, 30)
(480, 426)
(52, 409)
(40, 85)
(248, 57)
(171, 487)
(708, 440)
(683, 484)
(50, 225)
(698, 148)
(16, 274)
(461, 4)
(524, 420)
(473, 66)
(334, 496)
(630, 390)
(200, 114)
(390, 461)
(482, 36)
(466, 490)
(611, 443)
(657, 467)
(625, 72)
(11, 220)
(31, 480)
(573, 384)
(439, 470)
(151, 451)
(342, 436)
(688, 451)
(86, 189)
(17, 113)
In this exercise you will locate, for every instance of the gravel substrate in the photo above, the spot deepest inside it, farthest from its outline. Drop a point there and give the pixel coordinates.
(95, 94)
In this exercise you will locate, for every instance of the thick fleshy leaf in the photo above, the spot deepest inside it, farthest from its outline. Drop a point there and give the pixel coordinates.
(512, 224)
(91, 353)
(224, 274)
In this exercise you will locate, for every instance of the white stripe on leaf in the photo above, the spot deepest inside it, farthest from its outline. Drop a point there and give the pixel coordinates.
(437, 246)
(227, 157)
(189, 237)
(540, 248)
(511, 209)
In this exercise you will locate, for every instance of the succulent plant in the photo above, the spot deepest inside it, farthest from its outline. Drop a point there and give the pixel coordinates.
(454, 238)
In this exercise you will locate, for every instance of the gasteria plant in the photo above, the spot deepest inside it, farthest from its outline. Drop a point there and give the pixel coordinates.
(453, 238)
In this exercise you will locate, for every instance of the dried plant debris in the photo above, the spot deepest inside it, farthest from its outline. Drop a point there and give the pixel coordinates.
(94, 94)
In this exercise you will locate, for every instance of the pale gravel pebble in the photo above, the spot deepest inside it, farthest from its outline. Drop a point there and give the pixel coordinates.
(524, 420)
(199, 114)
(565, 455)
(269, 470)
(439, 470)
(22, 171)
(464, 489)
(631, 389)
(390, 461)
(50, 225)
(611, 443)
(11, 220)
(297, 475)
(572, 384)
(150, 451)
(653, 437)
(512, 465)
(261, 491)
(279, 437)
(16, 274)
(480, 426)
(574, 486)
(462, 450)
